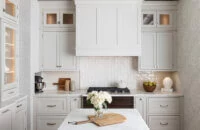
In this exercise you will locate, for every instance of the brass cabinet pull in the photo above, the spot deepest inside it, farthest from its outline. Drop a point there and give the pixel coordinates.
(51, 105)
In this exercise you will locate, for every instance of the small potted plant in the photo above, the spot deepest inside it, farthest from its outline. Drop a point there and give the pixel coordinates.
(149, 86)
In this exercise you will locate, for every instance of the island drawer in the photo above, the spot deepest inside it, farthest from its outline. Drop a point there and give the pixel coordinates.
(164, 106)
(49, 122)
(164, 122)
(52, 106)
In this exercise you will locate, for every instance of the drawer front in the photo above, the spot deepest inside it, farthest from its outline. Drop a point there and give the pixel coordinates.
(49, 122)
(164, 122)
(21, 105)
(163, 106)
(9, 93)
(51, 106)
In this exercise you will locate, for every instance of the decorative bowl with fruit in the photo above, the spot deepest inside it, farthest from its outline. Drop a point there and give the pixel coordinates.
(149, 86)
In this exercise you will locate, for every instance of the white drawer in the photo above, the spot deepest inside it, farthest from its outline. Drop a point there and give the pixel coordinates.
(164, 122)
(49, 122)
(21, 105)
(7, 94)
(163, 106)
(51, 106)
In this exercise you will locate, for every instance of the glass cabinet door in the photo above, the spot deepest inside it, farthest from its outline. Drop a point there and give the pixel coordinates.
(164, 19)
(10, 9)
(148, 19)
(51, 18)
(67, 18)
(10, 55)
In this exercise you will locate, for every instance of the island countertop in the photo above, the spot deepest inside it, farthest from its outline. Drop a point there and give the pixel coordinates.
(134, 120)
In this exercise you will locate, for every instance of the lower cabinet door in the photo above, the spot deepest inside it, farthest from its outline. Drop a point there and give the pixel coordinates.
(6, 119)
(49, 122)
(21, 120)
(164, 122)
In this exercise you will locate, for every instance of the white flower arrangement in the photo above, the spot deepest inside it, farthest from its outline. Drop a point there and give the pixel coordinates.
(99, 99)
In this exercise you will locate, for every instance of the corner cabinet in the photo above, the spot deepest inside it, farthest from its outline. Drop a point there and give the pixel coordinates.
(9, 60)
(158, 51)
(58, 51)
(108, 29)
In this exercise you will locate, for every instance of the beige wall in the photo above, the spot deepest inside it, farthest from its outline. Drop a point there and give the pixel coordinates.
(189, 60)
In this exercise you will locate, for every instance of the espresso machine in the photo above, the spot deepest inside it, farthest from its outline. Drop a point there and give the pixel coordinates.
(39, 85)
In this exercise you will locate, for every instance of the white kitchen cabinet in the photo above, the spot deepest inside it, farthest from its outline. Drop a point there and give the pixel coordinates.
(112, 29)
(140, 105)
(60, 46)
(58, 18)
(6, 118)
(158, 51)
(21, 115)
(75, 103)
(153, 19)
(9, 60)
(10, 10)
(49, 122)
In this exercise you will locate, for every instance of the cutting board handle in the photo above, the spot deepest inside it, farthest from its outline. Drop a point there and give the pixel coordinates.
(83, 122)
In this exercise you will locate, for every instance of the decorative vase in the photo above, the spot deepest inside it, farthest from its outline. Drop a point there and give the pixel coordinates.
(98, 112)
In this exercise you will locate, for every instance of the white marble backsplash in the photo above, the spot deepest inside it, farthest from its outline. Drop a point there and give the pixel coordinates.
(107, 71)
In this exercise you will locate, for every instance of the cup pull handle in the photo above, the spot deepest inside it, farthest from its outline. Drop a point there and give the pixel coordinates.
(51, 123)
(5, 111)
(51, 105)
(163, 106)
(163, 123)
(19, 105)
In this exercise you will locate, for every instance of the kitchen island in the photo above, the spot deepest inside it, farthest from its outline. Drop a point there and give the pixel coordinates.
(134, 120)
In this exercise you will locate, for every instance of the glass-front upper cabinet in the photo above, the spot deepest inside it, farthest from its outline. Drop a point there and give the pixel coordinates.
(58, 18)
(11, 9)
(9, 62)
(149, 19)
(164, 18)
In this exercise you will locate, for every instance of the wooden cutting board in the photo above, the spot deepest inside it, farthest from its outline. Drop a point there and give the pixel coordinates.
(108, 119)
(61, 83)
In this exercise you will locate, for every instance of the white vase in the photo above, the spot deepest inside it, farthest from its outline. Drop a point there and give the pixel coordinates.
(167, 82)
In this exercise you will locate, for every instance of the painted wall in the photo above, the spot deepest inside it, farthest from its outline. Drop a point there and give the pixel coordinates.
(189, 60)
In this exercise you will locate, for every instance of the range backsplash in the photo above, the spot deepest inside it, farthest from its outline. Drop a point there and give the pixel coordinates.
(107, 71)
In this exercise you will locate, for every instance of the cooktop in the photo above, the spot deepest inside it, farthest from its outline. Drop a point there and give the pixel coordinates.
(109, 89)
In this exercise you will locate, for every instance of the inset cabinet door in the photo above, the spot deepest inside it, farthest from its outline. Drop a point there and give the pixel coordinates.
(6, 119)
(9, 62)
(148, 18)
(164, 19)
(67, 51)
(67, 18)
(165, 43)
(10, 9)
(51, 18)
(148, 58)
(50, 58)
(21, 119)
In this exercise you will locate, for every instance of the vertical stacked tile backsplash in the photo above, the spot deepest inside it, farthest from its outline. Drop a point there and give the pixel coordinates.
(107, 71)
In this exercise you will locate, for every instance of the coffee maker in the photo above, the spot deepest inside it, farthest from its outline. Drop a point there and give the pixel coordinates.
(39, 85)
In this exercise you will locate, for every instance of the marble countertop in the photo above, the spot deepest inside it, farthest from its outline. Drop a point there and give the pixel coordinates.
(134, 120)
(135, 93)
(11, 101)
